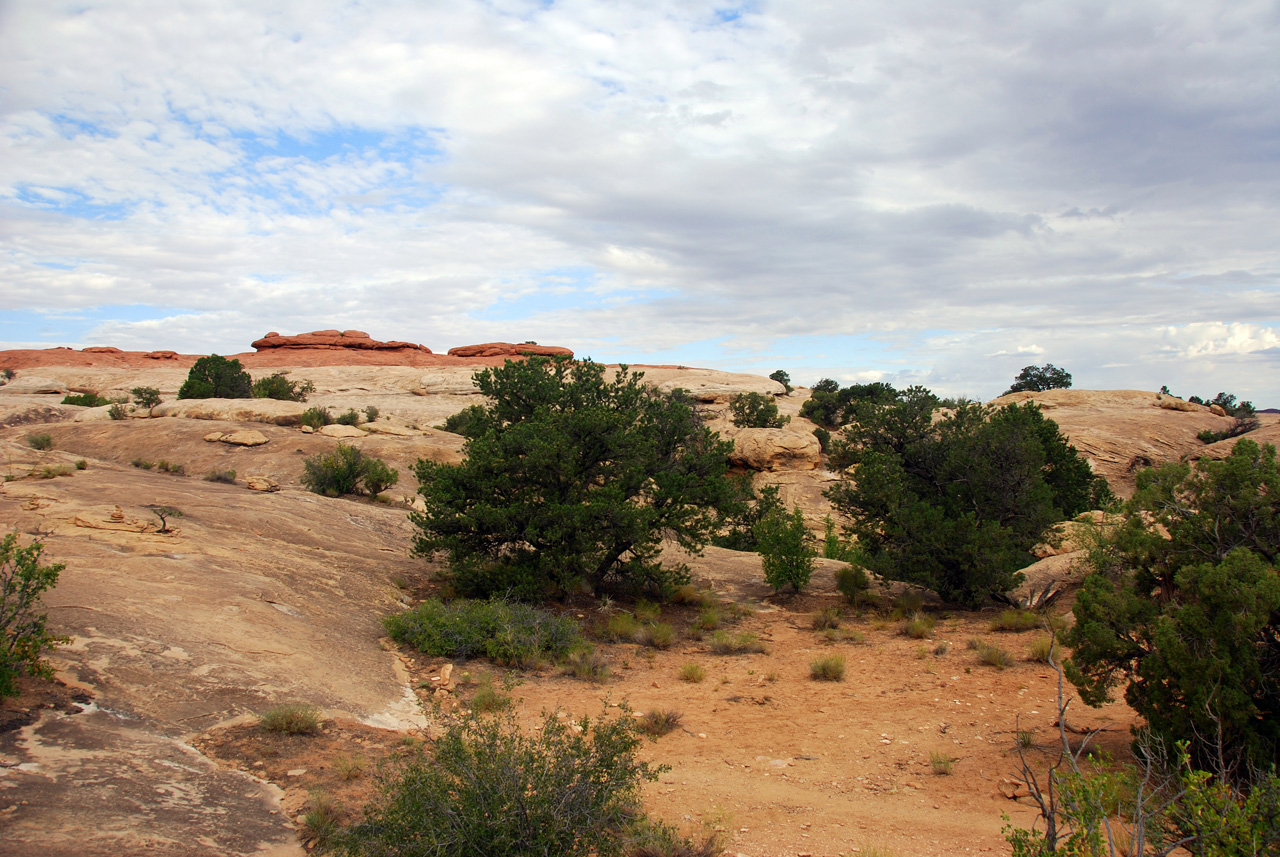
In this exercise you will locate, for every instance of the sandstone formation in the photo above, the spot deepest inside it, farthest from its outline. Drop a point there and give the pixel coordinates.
(333, 339)
(775, 449)
(507, 349)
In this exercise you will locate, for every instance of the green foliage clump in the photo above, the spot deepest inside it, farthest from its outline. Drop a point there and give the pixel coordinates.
(854, 584)
(164, 513)
(491, 789)
(957, 505)
(1037, 379)
(743, 511)
(216, 377)
(574, 481)
(1245, 418)
(506, 632)
(118, 411)
(146, 397)
(786, 549)
(350, 418)
(86, 400)
(290, 718)
(828, 668)
(370, 413)
(278, 386)
(24, 635)
(754, 410)
(782, 378)
(1185, 610)
(227, 477)
(471, 421)
(1016, 620)
(41, 442)
(317, 417)
(832, 406)
(347, 470)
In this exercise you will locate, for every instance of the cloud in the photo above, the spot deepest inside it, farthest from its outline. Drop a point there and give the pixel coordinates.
(914, 190)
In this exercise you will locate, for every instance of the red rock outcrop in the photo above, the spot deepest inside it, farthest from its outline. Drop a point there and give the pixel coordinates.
(334, 339)
(507, 349)
(102, 349)
(161, 355)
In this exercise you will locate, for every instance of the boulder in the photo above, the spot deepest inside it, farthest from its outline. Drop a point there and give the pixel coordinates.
(161, 355)
(1218, 410)
(340, 431)
(1173, 403)
(247, 437)
(507, 349)
(333, 339)
(775, 449)
(33, 385)
(261, 483)
(270, 411)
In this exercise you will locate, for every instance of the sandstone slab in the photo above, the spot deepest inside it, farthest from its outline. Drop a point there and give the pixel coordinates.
(341, 431)
(233, 410)
(776, 449)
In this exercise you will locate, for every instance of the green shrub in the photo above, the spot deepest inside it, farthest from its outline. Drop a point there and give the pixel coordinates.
(143, 464)
(991, 655)
(215, 377)
(739, 517)
(506, 632)
(1016, 620)
(489, 698)
(24, 636)
(170, 468)
(1040, 650)
(691, 673)
(164, 513)
(741, 643)
(660, 635)
(647, 611)
(782, 378)
(491, 788)
(225, 476)
(853, 583)
(278, 386)
(469, 422)
(754, 410)
(118, 412)
(827, 617)
(620, 627)
(709, 619)
(785, 550)
(86, 400)
(588, 665)
(941, 763)
(919, 626)
(1037, 379)
(40, 441)
(290, 718)
(53, 471)
(829, 668)
(146, 397)
(370, 413)
(350, 418)
(833, 547)
(346, 470)
(81, 464)
(322, 820)
(317, 417)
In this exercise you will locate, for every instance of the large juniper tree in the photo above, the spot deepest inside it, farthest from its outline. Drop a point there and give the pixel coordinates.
(573, 476)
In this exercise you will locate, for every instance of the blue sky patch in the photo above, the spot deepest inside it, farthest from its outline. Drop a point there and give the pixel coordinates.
(72, 326)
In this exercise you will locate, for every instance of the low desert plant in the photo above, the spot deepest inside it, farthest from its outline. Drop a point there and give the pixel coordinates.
(909, 602)
(118, 412)
(503, 790)
(86, 400)
(146, 397)
(349, 768)
(216, 377)
(1026, 739)
(508, 633)
(619, 627)
(350, 418)
(827, 617)
(829, 668)
(278, 386)
(81, 464)
(693, 596)
(143, 464)
(741, 643)
(659, 635)
(657, 723)
(53, 471)
(941, 649)
(6, 375)
(1016, 620)
(164, 513)
(990, 654)
(171, 468)
(40, 441)
(709, 619)
(322, 820)
(290, 718)
(647, 611)
(317, 417)
(692, 673)
(347, 470)
(227, 477)
(941, 763)
(24, 637)
(1040, 650)
(919, 626)
(853, 583)
(489, 698)
(588, 665)
(755, 410)
(370, 413)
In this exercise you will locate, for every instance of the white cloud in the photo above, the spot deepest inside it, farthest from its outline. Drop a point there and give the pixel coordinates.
(961, 185)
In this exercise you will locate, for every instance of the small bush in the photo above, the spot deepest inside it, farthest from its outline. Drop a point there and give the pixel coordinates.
(991, 655)
(86, 400)
(829, 668)
(755, 410)
(941, 763)
(1026, 739)
(910, 601)
(164, 513)
(489, 698)
(506, 632)
(215, 377)
(647, 611)
(693, 596)
(40, 441)
(660, 635)
(370, 413)
(692, 673)
(941, 649)
(742, 643)
(785, 549)
(350, 418)
(709, 619)
(349, 768)
(6, 375)
(827, 617)
(588, 665)
(620, 626)
(469, 422)
(53, 471)
(316, 418)
(1040, 650)
(227, 477)
(172, 469)
(24, 636)
(143, 464)
(146, 397)
(346, 470)
(832, 546)
(655, 724)
(919, 626)
(291, 718)
(506, 791)
(118, 412)
(81, 464)
(322, 820)
(1016, 620)
(279, 387)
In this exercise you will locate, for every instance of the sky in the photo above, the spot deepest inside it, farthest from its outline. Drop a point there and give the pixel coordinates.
(913, 192)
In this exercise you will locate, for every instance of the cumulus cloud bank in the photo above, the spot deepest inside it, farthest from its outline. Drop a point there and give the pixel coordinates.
(903, 190)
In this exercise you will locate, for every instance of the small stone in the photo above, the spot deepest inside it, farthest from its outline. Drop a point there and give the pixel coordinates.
(340, 431)
(261, 483)
(296, 772)
(308, 430)
(213, 437)
(249, 437)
